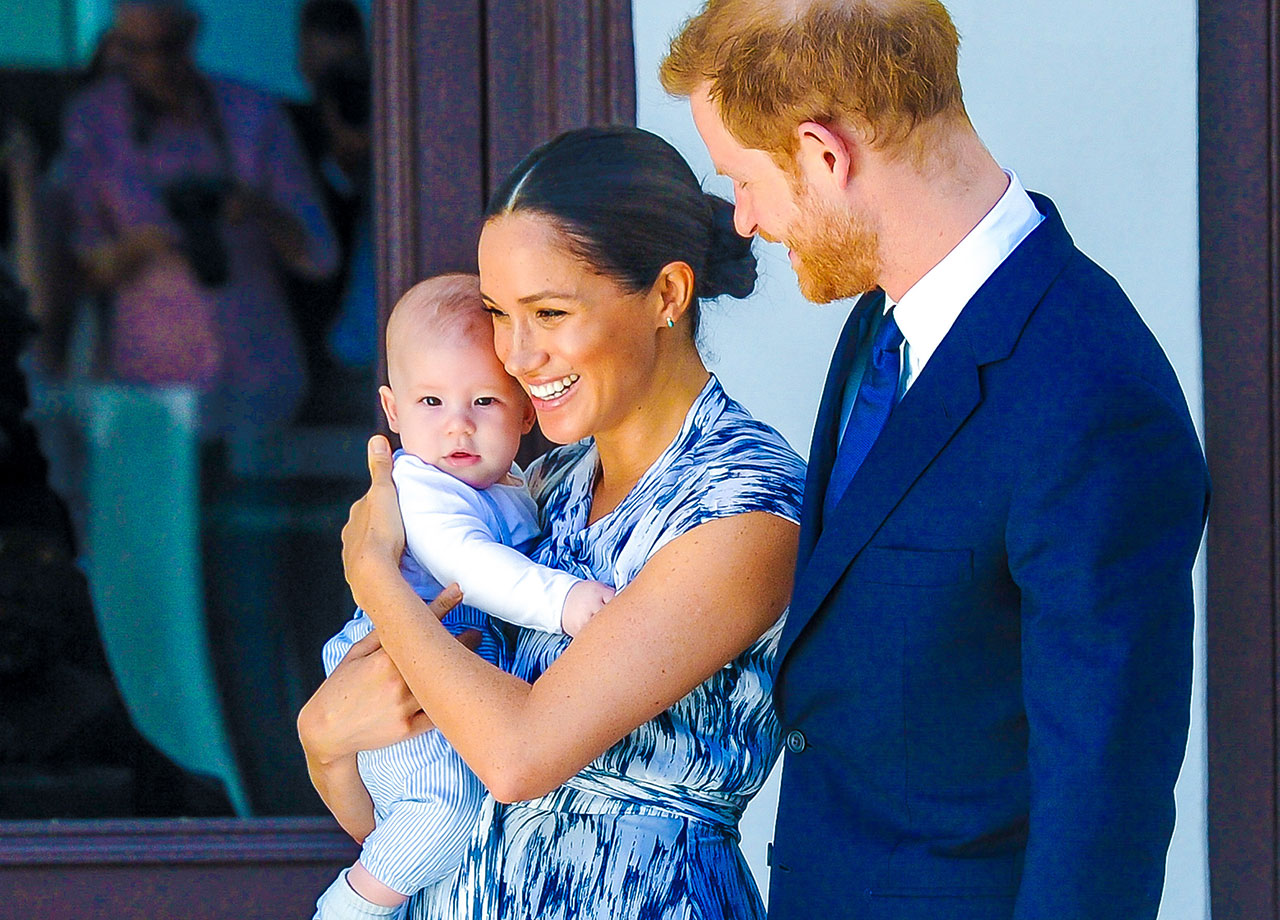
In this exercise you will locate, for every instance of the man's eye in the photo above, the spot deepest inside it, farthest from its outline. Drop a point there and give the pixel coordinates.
(485, 400)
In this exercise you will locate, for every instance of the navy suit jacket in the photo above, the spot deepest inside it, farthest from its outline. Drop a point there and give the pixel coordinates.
(984, 678)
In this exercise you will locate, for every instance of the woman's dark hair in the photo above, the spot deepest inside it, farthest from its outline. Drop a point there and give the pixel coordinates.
(628, 204)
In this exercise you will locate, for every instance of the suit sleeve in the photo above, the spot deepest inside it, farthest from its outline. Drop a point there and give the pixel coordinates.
(445, 530)
(1103, 532)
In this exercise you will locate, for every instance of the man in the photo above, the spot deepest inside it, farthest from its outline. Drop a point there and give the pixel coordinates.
(984, 678)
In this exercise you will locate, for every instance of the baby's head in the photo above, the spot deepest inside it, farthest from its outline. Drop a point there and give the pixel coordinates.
(450, 400)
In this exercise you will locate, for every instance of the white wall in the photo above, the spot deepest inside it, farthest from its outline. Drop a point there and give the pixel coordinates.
(1091, 102)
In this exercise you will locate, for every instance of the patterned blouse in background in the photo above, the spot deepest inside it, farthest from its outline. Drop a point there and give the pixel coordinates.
(235, 343)
(649, 829)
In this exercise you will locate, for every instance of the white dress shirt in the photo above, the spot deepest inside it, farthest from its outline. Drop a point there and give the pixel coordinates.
(927, 311)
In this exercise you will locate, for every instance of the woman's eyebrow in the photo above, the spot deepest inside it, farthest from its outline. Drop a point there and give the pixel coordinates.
(533, 298)
(545, 295)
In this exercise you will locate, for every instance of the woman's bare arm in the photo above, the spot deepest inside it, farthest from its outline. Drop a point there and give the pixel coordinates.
(363, 705)
(697, 604)
(343, 793)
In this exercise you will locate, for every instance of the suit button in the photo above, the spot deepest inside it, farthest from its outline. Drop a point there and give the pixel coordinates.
(796, 741)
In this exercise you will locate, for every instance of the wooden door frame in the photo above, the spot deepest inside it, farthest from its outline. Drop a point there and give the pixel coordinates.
(478, 82)
(1240, 320)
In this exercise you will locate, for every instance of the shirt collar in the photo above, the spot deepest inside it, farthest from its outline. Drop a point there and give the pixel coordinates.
(927, 311)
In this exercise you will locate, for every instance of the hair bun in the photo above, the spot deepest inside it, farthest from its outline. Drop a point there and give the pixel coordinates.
(731, 265)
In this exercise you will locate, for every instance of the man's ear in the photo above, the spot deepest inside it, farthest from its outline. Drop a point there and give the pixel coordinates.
(388, 400)
(825, 154)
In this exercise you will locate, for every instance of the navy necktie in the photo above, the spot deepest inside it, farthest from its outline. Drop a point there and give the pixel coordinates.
(877, 394)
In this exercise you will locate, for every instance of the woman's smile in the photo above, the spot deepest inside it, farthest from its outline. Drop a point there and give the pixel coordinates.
(548, 392)
(552, 312)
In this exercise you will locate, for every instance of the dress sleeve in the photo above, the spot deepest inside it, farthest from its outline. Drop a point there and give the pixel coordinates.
(446, 531)
(743, 467)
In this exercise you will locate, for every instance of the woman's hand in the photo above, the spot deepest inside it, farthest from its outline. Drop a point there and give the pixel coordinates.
(285, 232)
(362, 706)
(373, 538)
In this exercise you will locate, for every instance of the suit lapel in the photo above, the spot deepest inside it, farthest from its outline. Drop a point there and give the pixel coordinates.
(822, 450)
(946, 393)
(933, 409)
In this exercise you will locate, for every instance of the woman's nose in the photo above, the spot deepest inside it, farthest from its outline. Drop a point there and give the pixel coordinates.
(520, 351)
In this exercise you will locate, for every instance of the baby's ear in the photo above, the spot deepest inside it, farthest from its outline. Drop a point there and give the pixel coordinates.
(526, 422)
(388, 399)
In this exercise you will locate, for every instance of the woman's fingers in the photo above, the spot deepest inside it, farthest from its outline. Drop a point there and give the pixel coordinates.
(419, 723)
(363, 705)
(373, 537)
(366, 646)
(471, 639)
(445, 601)
(379, 459)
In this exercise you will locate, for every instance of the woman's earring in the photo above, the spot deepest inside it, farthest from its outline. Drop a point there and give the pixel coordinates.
(671, 324)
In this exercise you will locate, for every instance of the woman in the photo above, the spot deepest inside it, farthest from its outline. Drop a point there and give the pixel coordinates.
(624, 757)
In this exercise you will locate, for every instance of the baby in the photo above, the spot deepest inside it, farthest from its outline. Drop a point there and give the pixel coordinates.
(466, 517)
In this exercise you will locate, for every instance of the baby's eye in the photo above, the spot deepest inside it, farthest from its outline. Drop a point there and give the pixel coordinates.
(485, 400)
(431, 400)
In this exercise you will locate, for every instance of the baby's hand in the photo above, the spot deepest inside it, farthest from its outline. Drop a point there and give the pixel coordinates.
(583, 602)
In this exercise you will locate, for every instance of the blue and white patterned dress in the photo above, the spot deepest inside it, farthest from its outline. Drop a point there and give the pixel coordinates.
(649, 829)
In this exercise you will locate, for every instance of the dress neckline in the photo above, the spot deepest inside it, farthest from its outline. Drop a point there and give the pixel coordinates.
(705, 409)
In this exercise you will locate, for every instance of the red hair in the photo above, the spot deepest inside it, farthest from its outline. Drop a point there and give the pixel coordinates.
(879, 67)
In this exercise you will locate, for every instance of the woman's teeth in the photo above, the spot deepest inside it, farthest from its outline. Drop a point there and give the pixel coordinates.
(554, 388)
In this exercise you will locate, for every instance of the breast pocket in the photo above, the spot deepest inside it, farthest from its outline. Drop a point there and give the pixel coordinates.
(924, 568)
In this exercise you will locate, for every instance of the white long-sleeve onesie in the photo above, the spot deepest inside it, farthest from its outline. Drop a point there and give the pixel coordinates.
(425, 798)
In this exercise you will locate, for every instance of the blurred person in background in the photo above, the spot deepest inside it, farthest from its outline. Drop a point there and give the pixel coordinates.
(190, 200)
(68, 748)
(337, 316)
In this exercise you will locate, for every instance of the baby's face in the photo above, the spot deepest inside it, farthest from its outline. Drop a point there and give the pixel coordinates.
(455, 407)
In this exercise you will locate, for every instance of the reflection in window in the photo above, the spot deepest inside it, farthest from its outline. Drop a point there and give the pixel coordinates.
(197, 258)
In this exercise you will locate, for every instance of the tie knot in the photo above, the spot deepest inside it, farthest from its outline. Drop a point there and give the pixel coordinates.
(888, 337)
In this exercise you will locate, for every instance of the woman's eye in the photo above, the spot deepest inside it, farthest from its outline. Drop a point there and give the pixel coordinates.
(485, 400)
(494, 311)
(550, 314)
